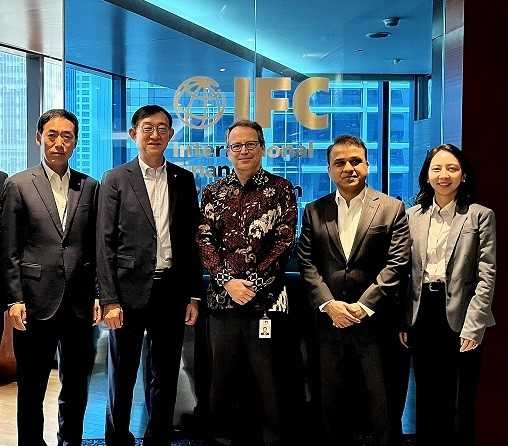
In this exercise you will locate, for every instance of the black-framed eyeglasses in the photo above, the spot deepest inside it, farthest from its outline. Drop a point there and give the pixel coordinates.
(148, 129)
(249, 145)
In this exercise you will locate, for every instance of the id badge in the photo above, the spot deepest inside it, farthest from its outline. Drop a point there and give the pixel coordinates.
(265, 328)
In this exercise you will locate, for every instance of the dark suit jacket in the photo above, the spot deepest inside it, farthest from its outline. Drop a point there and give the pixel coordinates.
(3, 176)
(40, 261)
(127, 237)
(378, 258)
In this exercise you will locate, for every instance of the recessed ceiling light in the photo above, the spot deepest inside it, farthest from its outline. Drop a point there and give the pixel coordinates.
(359, 50)
(378, 35)
(313, 55)
(222, 69)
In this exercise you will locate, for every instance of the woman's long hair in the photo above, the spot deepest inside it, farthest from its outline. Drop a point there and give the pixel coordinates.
(466, 187)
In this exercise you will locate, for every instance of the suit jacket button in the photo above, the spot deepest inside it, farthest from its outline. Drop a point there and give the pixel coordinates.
(343, 292)
(348, 269)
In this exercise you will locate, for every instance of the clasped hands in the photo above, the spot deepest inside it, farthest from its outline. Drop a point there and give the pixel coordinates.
(240, 290)
(344, 315)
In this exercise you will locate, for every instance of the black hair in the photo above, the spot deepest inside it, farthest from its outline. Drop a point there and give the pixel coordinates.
(147, 111)
(346, 140)
(57, 113)
(465, 191)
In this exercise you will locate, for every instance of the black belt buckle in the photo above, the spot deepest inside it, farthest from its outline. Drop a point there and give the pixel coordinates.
(435, 287)
(159, 274)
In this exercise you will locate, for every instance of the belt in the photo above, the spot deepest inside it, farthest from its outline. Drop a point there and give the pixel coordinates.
(434, 287)
(160, 274)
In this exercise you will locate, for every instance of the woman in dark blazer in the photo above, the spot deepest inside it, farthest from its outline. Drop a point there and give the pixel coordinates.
(451, 289)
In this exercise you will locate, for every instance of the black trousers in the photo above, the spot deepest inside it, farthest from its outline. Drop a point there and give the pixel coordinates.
(35, 351)
(446, 380)
(163, 320)
(352, 383)
(248, 381)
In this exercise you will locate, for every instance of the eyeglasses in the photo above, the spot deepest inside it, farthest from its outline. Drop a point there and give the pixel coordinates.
(148, 129)
(249, 145)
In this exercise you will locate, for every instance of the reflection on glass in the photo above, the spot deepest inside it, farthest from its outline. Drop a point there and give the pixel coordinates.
(89, 97)
(13, 130)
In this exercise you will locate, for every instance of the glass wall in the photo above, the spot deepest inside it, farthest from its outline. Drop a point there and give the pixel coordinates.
(13, 111)
(240, 72)
(53, 84)
(89, 97)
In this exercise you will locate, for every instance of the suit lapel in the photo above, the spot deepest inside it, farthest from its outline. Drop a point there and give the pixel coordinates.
(43, 188)
(172, 179)
(75, 190)
(138, 185)
(331, 224)
(457, 223)
(421, 234)
(370, 208)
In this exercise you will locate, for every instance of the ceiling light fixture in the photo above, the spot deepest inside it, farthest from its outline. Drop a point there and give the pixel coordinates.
(378, 35)
(391, 22)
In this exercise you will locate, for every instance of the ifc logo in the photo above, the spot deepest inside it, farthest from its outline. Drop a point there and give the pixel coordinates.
(198, 102)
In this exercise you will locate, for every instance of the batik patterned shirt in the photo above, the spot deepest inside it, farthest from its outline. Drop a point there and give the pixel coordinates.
(247, 232)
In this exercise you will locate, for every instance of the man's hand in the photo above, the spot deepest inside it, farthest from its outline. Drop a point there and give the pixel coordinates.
(356, 310)
(403, 338)
(113, 316)
(240, 290)
(97, 313)
(467, 345)
(17, 316)
(340, 314)
(191, 312)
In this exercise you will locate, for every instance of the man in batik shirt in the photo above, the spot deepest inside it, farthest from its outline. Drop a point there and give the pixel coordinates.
(246, 234)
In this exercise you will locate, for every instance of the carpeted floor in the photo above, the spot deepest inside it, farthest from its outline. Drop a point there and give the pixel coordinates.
(100, 442)
(408, 441)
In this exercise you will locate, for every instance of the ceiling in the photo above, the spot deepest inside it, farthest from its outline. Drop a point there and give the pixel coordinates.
(180, 39)
(33, 25)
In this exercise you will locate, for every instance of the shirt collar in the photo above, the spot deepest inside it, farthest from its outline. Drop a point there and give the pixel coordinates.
(258, 179)
(446, 211)
(146, 169)
(50, 172)
(358, 200)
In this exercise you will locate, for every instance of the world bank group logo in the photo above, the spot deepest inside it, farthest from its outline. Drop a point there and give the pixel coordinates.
(198, 102)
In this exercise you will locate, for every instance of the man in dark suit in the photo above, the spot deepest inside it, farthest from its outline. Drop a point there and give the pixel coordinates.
(148, 269)
(3, 176)
(353, 250)
(48, 258)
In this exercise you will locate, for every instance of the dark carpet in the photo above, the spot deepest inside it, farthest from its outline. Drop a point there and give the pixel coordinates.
(100, 442)
(409, 440)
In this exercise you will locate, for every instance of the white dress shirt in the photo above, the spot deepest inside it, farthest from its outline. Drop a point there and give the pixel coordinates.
(156, 182)
(348, 217)
(439, 229)
(60, 189)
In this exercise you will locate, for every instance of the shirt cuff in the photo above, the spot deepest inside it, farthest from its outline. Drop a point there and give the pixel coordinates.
(322, 306)
(197, 299)
(14, 303)
(366, 309)
(222, 277)
(257, 281)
